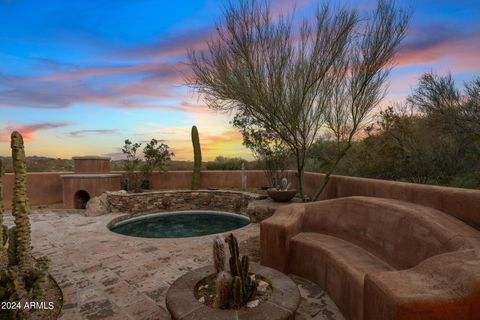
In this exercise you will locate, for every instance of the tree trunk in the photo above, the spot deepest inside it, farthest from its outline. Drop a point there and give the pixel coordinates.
(326, 179)
(300, 169)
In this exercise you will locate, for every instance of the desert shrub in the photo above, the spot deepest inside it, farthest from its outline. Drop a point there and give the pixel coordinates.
(226, 163)
(139, 168)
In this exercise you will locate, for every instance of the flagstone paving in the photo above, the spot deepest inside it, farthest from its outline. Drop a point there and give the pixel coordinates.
(104, 275)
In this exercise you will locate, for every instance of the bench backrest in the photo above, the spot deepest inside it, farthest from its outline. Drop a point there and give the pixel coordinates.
(402, 233)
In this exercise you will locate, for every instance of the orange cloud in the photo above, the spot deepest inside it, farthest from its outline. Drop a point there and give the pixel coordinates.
(28, 131)
(227, 143)
(226, 137)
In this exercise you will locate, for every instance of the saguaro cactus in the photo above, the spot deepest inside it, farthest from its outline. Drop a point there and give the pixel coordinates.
(197, 157)
(12, 246)
(3, 250)
(20, 208)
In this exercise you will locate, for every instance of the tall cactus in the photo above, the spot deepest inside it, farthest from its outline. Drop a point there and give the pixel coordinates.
(197, 157)
(3, 250)
(20, 281)
(12, 247)
(20, 208)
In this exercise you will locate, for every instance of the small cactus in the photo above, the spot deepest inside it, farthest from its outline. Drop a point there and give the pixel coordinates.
(4, 234)
(39, 277)
(284, 184)
(10, 290)
(197, 157)
(219, 254)
(223, 288)
(237, 292)
(243, 287)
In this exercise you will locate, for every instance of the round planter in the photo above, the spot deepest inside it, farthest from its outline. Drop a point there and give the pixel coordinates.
(281, 195)
(282, 304)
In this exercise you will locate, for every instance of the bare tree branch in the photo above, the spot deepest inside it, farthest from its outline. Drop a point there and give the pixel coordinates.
(294, 79)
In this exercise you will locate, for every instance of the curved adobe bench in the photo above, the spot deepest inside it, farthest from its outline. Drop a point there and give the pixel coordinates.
(379, 258)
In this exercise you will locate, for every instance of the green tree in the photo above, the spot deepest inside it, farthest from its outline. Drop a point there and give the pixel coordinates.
(431, 138)
(132, 164)
(155, 158)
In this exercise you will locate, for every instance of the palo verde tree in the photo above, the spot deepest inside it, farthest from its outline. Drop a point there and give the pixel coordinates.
(292, 81)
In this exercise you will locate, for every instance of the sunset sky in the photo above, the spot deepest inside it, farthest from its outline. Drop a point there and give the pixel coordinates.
(79, 77)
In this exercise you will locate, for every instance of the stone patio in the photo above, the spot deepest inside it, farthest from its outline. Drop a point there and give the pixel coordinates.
(104, 275)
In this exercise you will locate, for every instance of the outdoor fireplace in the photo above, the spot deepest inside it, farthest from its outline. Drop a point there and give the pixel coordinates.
(91, 178)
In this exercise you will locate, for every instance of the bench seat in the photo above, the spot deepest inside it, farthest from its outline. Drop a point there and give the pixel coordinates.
(337, 265)
(379, 258)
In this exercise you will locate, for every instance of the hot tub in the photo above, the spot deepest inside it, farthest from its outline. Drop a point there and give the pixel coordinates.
(180, 224)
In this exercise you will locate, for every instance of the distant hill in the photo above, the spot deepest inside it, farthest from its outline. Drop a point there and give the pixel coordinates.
(47, 164)
(41, 164)
(117, 165)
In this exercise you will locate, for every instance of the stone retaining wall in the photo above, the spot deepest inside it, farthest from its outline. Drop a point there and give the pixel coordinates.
(178, 200)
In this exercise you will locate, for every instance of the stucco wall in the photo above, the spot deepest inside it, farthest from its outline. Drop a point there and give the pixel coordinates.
(46, 188)
(214, 179)
(42, 188)
(461, 203)
(91, 165)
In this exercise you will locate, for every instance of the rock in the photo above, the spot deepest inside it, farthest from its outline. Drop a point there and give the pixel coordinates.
(262, 286)
(259, 210)
(97, 206)
(160, 200)
(253, 303)
(201, 300)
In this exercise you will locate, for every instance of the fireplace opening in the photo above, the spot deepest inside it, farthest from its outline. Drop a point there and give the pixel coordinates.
(80, 199)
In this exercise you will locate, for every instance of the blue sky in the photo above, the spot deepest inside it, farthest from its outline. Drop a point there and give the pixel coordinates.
(79, 77)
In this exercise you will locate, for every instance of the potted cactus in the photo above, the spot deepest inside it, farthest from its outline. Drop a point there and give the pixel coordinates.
(282, 191)
(237, 292)
(234, 288)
